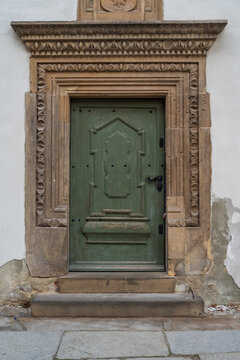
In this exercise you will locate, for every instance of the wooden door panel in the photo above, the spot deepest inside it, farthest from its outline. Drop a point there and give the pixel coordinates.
(114, 212)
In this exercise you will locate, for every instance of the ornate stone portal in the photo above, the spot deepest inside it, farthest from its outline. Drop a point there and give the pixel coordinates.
(141, 59)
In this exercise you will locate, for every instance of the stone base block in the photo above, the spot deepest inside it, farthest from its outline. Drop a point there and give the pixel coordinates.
(116, 283)
(116, 305)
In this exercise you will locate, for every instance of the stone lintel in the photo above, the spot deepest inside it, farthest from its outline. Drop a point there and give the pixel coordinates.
(118, 38)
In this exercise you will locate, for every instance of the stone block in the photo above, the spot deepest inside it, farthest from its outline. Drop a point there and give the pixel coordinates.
(117, 344)
(91, 324)
(116, 305)
(28, 345)
(157, 358)
(120, 282)
(205, 323)
(10, 324)
(204, 342)
(233, 356)
(176, 243)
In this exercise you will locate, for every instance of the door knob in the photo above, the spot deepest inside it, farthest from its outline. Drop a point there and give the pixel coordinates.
(159, 182)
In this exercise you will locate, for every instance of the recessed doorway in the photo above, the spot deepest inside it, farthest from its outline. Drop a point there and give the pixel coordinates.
(117, 185)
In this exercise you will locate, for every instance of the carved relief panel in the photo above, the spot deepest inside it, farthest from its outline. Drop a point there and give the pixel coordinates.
(120, 10)
(118, 5)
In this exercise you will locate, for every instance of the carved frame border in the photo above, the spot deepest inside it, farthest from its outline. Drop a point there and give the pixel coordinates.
(192, 68)
(53, 83)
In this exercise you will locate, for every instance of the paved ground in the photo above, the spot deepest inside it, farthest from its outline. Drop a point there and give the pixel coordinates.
(139, 339)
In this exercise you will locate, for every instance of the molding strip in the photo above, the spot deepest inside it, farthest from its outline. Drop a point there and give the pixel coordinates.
(164, 38)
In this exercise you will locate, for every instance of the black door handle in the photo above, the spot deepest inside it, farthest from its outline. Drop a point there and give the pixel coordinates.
(159, 180)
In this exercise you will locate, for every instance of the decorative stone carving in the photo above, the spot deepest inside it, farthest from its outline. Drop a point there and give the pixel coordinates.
(118, 5)
(193, 220)
(120, 10)
(155, 39)
(124, 60)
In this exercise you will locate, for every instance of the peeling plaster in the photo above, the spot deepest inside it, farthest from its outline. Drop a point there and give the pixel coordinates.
(232, 261)
(219, 285)
(18, 287)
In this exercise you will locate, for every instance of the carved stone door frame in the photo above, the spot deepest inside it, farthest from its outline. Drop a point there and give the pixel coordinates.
(149, 60)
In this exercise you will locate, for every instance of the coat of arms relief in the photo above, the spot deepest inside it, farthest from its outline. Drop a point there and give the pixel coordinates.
(118, 5)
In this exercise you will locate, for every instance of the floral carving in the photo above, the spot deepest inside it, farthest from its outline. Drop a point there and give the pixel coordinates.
(119, 4)
(192, 69)
(73, 39)
(118, 47)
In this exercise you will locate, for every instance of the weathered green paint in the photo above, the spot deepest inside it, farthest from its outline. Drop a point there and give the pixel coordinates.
(114, 213)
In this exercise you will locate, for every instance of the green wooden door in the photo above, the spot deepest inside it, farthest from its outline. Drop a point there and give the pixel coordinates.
(116, 211)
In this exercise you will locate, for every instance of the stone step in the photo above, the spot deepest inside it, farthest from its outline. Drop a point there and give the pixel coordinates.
(119, 282)
(116, 305)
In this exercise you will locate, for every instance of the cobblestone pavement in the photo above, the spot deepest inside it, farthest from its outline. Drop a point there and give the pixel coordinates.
(139, 339)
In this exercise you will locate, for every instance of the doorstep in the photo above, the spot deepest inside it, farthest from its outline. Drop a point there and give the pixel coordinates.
(116, 282)
(117, 305)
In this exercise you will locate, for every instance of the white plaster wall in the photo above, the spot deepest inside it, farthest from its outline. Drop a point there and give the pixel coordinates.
(223, 72)
(223, 83)
(14, 75)
(232, 262)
